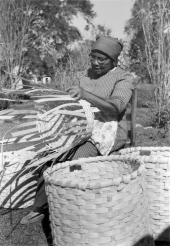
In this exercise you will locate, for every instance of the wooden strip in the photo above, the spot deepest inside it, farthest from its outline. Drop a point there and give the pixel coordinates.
(6, 117)
(24, 112)
(15, 140)
(5, 111)
(55, 99)
(67, 112)
(30, 117)
(24, 132)
(27, 124)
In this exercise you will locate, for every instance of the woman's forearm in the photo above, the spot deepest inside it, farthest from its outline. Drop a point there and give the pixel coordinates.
(105, 105)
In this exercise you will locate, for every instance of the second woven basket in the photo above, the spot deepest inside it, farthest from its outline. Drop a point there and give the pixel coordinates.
(101, 202)
(157, 164)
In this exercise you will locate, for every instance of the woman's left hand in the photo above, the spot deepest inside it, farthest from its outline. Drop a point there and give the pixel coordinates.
(75, 92)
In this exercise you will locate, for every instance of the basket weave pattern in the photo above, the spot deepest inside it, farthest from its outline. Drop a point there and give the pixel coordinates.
(104, 203)
(58, 126)
(157, 164)
(17, 191)
(61, 129)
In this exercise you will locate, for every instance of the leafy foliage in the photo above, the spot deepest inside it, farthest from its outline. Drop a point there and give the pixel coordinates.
(161, 120)
(30, 29)
(52, 18)
(133, 28)
(3, 103)
(98, 30)
(14, 29)
(149, 50)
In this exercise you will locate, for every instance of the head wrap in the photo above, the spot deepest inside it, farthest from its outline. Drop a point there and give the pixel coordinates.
(112, 47)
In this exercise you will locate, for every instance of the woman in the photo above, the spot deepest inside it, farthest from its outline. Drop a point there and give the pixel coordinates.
(108, 88)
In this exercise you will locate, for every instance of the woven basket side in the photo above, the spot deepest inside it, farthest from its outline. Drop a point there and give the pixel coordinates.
(109, 215)
(157, 166)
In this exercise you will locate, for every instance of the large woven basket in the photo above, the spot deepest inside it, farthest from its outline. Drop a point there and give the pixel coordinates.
(157, 164)
(101, 202)
(17, 190)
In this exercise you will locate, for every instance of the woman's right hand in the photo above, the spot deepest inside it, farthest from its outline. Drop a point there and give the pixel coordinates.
(76, 92)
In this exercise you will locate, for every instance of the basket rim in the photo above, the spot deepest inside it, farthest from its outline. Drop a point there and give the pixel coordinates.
(124, 179)
(148, 148)
(148, 157)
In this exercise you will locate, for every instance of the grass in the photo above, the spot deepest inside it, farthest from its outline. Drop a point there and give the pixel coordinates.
(12, 233)
(146, 135)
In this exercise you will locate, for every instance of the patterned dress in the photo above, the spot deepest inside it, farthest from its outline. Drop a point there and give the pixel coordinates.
(116, 85)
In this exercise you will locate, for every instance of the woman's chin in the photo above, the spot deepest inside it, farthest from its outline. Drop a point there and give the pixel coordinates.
(97, 71)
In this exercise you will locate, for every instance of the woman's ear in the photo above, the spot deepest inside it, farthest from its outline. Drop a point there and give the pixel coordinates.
(115, 62)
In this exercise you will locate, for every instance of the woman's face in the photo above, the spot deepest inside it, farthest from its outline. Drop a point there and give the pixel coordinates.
(101, 63)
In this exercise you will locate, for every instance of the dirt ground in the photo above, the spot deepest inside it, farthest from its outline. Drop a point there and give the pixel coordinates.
(12, 233)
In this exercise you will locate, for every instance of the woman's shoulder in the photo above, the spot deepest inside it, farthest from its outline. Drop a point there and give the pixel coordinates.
(122, 74)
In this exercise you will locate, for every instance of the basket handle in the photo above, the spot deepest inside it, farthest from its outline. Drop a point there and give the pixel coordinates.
(145, 152)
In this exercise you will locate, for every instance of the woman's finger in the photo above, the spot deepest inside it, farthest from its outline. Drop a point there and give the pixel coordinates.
(74, 94)
(72, 88)
(68, 89)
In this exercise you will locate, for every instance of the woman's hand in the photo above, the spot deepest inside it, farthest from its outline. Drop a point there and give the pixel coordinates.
(76, 92)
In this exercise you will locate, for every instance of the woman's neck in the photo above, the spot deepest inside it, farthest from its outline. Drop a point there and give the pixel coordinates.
(95, 76)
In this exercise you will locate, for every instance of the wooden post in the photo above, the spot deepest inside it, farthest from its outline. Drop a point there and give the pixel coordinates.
(133, 117)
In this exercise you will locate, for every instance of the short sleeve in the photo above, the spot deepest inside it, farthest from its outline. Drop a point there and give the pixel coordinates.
(122, 92)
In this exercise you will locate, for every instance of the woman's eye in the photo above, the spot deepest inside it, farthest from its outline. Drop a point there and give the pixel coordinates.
(100, 59)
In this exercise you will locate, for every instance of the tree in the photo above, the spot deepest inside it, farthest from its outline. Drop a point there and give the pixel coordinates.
(51, 25)
(98, 30)
(146, 28)
(14, 29)
(152, 19)
(134, 30)
(39, 25)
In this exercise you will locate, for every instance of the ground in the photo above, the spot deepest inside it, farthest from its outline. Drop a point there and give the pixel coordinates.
(12, 233)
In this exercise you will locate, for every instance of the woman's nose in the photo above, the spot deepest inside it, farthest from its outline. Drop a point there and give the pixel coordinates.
(95, 62)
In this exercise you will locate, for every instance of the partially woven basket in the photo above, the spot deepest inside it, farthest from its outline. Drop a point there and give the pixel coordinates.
(54, 124)
(104, 203)
(65, 125)
(157, 164)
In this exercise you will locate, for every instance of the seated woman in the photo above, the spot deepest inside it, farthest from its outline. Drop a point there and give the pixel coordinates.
(108, 88)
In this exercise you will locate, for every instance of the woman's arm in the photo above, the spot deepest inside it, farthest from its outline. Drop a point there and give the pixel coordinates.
(105, 105)
(115, 105)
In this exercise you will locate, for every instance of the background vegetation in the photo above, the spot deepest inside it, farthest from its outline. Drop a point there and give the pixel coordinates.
(37, 38)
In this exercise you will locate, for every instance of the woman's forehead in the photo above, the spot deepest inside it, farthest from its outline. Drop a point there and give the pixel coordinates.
(99, 53)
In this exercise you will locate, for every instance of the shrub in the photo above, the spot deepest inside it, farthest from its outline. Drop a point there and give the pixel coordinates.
(161, 119)
(6, 104)
(3, 103)
(146, 97)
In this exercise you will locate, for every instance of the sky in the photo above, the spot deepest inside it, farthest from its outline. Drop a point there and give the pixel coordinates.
(112, 14)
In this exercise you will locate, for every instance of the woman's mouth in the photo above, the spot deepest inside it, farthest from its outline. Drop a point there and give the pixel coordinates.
(96, 68)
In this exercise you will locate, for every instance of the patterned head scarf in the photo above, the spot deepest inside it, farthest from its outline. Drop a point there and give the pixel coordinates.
(112, 47)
